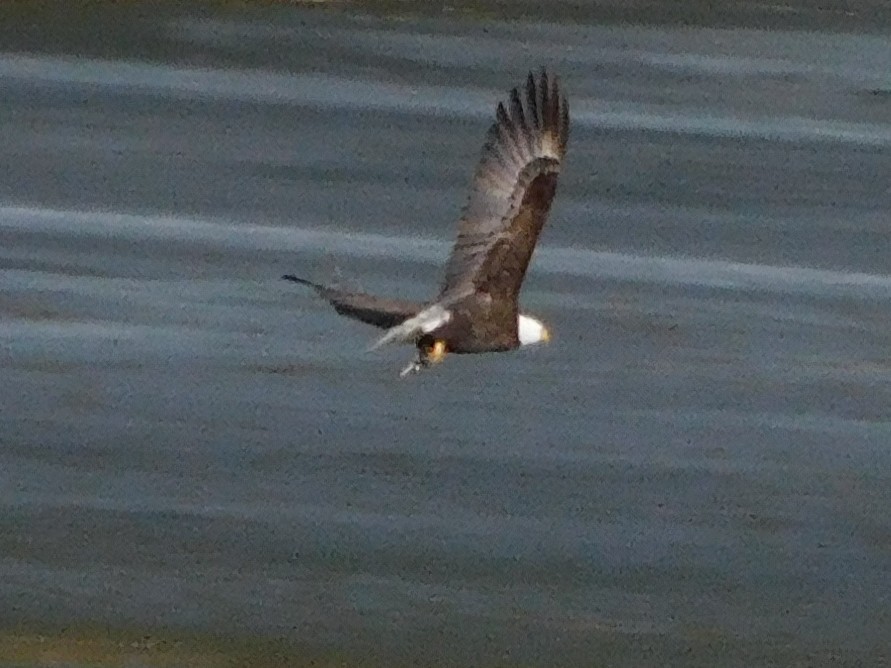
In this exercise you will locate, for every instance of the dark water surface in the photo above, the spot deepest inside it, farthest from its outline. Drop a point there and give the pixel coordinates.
(697, 469)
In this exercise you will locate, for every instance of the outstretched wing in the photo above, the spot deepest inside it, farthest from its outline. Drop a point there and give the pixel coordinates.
(511, 194)
(383, 313)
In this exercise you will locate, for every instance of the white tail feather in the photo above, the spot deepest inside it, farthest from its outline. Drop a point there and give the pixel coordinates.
(424, 322)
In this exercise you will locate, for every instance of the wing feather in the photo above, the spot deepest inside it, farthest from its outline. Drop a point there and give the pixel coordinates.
(511, 194)
(532, 104)
(377, 311)
(523, 133)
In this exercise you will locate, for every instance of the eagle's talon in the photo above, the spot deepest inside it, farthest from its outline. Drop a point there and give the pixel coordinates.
(435, 353)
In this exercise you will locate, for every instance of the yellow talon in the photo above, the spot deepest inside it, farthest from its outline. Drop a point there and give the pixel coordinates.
(437, 352)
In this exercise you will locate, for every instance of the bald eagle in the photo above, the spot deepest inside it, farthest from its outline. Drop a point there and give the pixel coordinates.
(477, 310)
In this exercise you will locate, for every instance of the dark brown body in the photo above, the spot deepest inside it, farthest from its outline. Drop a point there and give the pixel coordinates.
(479, 324)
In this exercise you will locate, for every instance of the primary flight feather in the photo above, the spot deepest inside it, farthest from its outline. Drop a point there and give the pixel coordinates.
(477, 307)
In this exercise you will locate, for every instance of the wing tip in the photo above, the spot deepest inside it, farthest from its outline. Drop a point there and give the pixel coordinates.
(318, 287)
(302, 281)
(531, 123)
(546, 99)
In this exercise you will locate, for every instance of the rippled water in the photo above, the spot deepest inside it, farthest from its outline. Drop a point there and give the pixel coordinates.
(694, 472)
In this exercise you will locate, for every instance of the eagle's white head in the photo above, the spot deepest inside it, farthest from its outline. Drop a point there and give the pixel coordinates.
(530, 330)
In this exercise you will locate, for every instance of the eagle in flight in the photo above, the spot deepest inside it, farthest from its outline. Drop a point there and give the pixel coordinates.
(477, 309)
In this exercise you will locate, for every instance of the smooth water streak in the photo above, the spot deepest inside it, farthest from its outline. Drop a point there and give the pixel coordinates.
(574, 261)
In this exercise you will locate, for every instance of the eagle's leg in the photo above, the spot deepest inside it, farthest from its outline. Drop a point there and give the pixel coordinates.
(436, 353)
(427, 356)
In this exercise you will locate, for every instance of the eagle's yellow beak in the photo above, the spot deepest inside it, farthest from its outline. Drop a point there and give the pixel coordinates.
(545, 334)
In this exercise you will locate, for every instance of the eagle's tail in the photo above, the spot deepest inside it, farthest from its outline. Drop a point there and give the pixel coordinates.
(431, 318)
